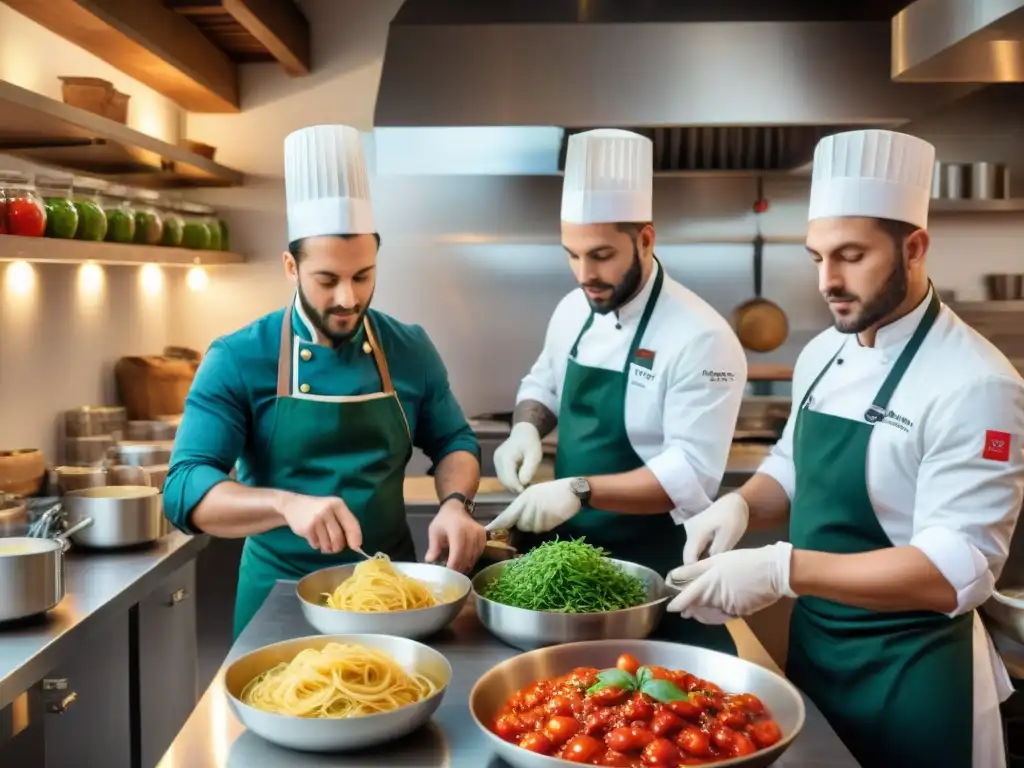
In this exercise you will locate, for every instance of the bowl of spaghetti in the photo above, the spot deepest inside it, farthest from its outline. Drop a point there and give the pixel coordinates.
(378, 596)
(329, 693)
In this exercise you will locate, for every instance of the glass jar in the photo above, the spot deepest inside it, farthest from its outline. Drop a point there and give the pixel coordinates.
(92, 219)
(149, 223)
(196, 232)
(22, 211)
(174, 223)
(61, 214)
(120, 215)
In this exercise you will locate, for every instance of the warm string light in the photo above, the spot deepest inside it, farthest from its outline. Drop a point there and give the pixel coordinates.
(91, 279)
(197, 279)
(151, 278)
(20, 278)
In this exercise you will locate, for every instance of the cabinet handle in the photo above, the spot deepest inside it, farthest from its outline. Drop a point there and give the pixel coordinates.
(60, 707)
(55, 684)
(177, 596)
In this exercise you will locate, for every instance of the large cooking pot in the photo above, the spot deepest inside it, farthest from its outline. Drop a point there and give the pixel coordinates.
(123, 515)
(32, 573)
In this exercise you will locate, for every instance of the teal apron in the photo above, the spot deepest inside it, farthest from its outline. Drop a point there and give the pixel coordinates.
(355, 449)
(896, 686)
(592, 440)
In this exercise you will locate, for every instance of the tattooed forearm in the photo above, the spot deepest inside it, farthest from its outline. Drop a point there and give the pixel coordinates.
(537, 414)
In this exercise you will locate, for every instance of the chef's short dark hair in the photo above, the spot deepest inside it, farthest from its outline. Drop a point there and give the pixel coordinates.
(295, 246)
(632, 228)
(898, 231)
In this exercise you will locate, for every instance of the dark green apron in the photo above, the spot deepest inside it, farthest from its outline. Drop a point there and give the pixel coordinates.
(896, 686)
(592, 440)
(356, 449)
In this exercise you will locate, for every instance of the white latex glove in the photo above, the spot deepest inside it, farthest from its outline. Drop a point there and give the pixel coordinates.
(736, 583)
(721, 525)
(516, 460)
(539, 508)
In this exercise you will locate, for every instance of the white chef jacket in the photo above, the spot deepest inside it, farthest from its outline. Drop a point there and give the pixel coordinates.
(681, 415)
(939, 475)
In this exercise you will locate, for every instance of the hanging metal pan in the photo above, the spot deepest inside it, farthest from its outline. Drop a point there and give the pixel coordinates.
(760, 324)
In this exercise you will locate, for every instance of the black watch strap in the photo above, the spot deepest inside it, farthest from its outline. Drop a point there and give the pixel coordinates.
(468, 504)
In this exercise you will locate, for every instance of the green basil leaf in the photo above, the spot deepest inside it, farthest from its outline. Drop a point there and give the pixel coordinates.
(664, 691)
(613, 678)
(643, 676)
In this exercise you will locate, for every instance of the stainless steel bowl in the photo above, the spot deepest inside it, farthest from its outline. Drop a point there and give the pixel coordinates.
(450, 587)
(123, 515)
(333, 735)
(527, 630)
(732, 674)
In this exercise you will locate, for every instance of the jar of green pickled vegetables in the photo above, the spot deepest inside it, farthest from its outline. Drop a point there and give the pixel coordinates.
(196, 233)
(174, 223)
(92, 219)
(149, 223)
(120, 215)
(61, 214)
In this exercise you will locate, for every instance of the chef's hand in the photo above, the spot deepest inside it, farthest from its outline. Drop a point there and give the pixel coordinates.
(324, 521)
(516, 460)
(736, 583)
(721, 525)
(539, 508)
(453, 529)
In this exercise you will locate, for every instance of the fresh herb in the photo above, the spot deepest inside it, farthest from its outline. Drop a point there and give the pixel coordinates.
(566, 577)
(644, 682)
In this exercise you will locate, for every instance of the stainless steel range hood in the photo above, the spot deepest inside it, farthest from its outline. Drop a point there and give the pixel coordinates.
(959, 41)
(654, 63)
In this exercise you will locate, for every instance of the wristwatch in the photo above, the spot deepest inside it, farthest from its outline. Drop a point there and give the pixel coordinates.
(468, 504)
(580, 488)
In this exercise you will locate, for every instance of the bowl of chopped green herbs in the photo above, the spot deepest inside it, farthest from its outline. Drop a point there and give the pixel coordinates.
(568, 591)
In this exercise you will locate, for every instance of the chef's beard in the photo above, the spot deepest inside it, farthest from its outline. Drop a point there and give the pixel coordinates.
(319, 319)
(892, 295)
(622, 292)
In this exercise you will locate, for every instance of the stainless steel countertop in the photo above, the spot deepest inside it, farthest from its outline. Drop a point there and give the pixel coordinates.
(98, 584)
(214, 738)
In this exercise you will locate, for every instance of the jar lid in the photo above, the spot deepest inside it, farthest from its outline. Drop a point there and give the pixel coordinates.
(54, 181)
(145, 194)
(13, 177)
(88, 185)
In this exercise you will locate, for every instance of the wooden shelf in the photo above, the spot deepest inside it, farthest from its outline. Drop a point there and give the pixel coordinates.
(52, 250)
(52, 133)
(942, 205)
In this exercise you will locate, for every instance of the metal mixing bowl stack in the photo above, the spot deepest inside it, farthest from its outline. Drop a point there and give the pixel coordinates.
(450, 587)
(337, 734)
(527, 630)
(732, 674)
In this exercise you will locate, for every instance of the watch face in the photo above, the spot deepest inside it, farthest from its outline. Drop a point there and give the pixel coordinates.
(580, 486)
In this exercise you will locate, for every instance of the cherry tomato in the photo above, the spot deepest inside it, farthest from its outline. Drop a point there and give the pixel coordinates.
(532, 718)
(688, 710)
(3, 216)
(689, 682)
(627, 663)
(666, 723)
(581, 749)
(535, 695)
(559, 705)
(764, 733)
(26, 218)
(598, 721)
(733, 718)
(613, 759)
(694, 741)
(752, 704)
(710, 688)
(638, 708)
(560, 729)
(661, 753)
(742, 745)
(607, 697)
(629, 738)
(536, 742)
(660, 673)
(583, 676)
(510, 727)
(722, 737)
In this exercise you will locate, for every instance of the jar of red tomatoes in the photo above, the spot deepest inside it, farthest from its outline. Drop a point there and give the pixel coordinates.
(21, 208)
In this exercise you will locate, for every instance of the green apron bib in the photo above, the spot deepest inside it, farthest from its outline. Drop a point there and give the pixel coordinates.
(356, 449)
(592, 440)
(896, 687)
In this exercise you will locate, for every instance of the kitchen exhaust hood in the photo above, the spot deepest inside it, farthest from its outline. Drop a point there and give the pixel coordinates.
(654, 63)
(959, 41)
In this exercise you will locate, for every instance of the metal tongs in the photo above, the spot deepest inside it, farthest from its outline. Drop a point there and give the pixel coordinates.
(47, 524)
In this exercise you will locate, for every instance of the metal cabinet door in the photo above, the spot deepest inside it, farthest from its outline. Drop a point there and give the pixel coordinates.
(168, 662)
(89, 702)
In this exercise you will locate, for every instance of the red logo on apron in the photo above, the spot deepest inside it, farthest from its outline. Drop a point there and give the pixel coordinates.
(997, 446)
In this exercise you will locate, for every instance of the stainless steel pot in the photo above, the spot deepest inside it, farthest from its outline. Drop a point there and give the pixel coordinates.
(123, 515)
(32, 573)
(143, 454)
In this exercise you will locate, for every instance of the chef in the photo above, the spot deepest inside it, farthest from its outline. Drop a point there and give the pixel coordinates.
(642, 378)
(901, 470)
(320, 404)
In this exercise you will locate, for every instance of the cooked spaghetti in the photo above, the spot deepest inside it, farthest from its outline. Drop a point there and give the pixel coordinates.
(339, 681)
(375, 586)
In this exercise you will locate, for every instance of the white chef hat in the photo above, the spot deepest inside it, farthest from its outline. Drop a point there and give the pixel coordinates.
(881, 174)
(326, 183)
(608, 177)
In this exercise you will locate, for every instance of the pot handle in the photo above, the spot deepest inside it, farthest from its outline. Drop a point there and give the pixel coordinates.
(65, 537)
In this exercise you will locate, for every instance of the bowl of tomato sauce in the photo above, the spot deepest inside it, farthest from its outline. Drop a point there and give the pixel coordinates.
(635, 704)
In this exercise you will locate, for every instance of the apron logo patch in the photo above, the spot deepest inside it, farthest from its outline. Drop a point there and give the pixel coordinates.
(718, 377)
(874, 414)
(997, 446)
(644, 358)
